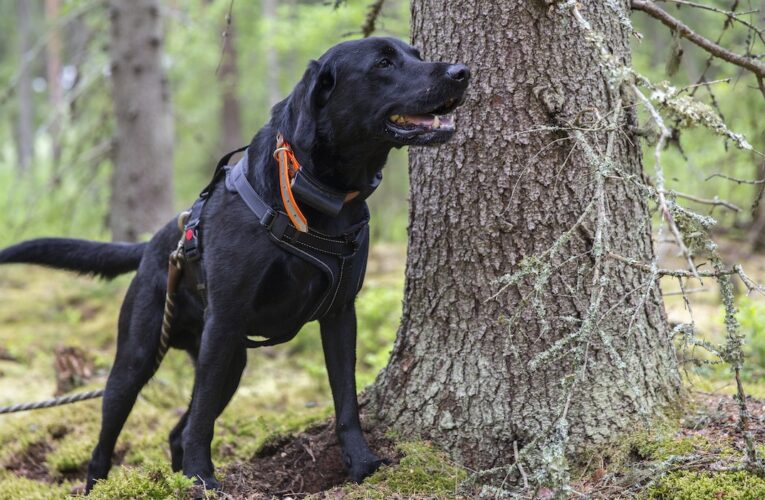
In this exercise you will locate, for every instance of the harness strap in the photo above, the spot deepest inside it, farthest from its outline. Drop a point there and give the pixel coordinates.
(279, 224)
(341, 258)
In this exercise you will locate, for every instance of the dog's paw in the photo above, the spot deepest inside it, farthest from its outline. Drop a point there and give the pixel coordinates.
(358, 470)
(208, 483)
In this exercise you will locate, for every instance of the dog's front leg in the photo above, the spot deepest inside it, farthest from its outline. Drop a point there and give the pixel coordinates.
(338, 338)
(222, 358)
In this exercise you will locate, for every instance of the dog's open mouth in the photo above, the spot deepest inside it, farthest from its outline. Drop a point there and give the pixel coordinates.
(436, 125)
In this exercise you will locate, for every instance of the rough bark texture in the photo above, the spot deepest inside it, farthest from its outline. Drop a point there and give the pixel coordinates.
(502, 191)
(142, 188)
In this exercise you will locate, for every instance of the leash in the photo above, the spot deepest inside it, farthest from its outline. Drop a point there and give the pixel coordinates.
(174, 273)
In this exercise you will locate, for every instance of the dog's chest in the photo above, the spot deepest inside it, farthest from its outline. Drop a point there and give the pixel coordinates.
(285, 298)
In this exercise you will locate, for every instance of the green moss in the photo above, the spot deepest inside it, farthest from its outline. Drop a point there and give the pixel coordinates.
(687, 485)
(424, 472)
(152, 482)
(665, 447)
(72, 454)
(22, 488)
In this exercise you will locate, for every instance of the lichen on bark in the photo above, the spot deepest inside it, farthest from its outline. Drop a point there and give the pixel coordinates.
(537, 136)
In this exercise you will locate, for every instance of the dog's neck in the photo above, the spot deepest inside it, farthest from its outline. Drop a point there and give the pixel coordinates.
(351, 169)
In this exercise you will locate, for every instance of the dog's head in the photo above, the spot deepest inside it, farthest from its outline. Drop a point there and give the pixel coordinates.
(376, 91)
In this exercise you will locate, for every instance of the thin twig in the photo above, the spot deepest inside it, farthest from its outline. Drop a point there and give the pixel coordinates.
(715, 202)
(755, 182)
(224, 35)
(728, 13)
(664, 136)
(520, 467)
(374, 12)
(678, 273)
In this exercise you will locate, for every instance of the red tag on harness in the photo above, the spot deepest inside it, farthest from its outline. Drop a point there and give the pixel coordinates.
(189, 234)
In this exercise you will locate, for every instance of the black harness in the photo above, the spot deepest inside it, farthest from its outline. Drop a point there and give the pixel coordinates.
(342, 258)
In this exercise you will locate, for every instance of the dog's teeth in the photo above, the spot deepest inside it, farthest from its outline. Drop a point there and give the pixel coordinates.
(436, 122)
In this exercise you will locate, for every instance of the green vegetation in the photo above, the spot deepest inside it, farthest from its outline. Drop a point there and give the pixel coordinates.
(688, 485)
(150, 482)
(284, 388)
(424, 472)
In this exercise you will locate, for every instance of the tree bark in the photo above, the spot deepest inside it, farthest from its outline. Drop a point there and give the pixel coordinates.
(25, 127)
(142, 187)
(475, 366)
(228, 81)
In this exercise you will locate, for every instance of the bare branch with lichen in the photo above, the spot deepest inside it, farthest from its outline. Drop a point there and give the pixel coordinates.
(659, 172)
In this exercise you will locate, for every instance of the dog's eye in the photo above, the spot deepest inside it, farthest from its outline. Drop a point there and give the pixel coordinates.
(383, 63)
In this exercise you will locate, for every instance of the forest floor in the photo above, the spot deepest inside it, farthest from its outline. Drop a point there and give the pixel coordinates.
(276, 439)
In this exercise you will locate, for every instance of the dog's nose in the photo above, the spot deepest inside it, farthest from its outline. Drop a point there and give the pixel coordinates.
(458, 73)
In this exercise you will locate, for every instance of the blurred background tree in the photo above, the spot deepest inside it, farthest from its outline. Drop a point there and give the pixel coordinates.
(225, 73)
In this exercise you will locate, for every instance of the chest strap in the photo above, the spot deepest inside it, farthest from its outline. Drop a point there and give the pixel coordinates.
(279, 225)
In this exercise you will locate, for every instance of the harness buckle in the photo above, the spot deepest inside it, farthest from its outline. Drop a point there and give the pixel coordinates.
(191, 245)
(268, 218)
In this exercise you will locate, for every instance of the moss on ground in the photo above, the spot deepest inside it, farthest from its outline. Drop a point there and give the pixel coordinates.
(12, 486)
(149, 482)
(283, 390)
(661, 448)
(689, 485)
(423, 472)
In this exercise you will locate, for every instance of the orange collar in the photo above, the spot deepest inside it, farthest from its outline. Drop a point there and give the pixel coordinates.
(288, 168)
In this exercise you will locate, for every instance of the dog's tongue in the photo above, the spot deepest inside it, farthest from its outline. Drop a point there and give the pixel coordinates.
(428, 121)
(423, 120)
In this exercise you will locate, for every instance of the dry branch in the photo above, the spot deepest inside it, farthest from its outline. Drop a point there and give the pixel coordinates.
(684, 31)
(374, 12)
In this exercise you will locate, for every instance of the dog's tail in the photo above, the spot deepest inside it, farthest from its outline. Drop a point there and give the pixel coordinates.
(85, 257)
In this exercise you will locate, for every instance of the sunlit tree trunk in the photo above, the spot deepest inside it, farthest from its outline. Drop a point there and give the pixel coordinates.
(481, 369)
(142, 183)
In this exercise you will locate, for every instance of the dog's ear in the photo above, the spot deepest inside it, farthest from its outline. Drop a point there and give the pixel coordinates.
(311, 94)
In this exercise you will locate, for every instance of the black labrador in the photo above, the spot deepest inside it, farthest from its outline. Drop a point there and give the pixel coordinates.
(354, 104)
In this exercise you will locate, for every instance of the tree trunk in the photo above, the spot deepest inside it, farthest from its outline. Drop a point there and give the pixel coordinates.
(142, 187)
(25, 128)
(549, 360)
(272, 55)
(228, 81)
(53, 70)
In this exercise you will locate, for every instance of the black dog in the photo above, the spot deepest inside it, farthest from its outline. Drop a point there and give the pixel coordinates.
(352, 106)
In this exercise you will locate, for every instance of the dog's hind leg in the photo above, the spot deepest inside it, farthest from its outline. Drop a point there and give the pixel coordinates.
(176, 435)
(140, 326)
(222, 359)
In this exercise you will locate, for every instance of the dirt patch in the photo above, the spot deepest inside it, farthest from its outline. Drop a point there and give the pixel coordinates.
(297, 465)
(31, 463)
(73, 368)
